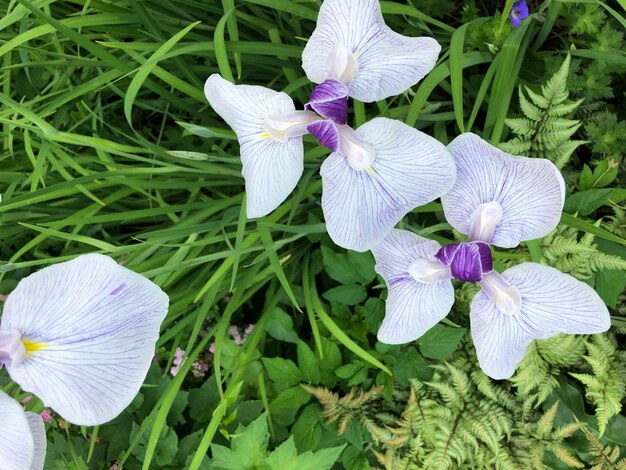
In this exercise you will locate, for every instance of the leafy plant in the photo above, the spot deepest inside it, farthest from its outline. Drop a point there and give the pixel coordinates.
(544, 131)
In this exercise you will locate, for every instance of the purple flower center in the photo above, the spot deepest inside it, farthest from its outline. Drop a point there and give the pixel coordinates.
(468, 261)
(330, 100)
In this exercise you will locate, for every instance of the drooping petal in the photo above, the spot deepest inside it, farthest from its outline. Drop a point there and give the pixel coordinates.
(330, 100)
(16, 441)
(263, 120)
(410, 169)
(90, 328)
(38, 431)
(412, 307)
(326, 133)
(379, 62)
(552, 303)
(530, 193)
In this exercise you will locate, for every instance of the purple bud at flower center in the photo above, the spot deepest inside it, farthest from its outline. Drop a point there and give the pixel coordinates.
(330, 100)
(468, 261)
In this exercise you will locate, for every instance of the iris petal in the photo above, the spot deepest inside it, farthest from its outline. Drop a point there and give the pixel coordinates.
(326, 133)
(530, 192)
(16, 441)
(387, 63)
(38, 431)
(90, 326)
(330, 100)
(552, 303)
(412, 307)
(409, 170)
(271, 167)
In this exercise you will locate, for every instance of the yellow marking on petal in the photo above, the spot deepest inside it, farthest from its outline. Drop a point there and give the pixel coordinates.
(32, 346)
(369, 170)
(265, 135)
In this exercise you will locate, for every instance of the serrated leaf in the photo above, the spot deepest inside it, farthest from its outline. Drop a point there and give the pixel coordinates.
(440, 341)
(290, 398)
(280, 326)
(248, 447)
(282, 371)
(610, 283)
(586, 178)
(585, 202)
(350, 294)
(308, 363)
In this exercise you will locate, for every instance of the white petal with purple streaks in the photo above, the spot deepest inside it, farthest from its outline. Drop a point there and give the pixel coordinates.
(382, 62)
(410, 169)
(16, 441)
(90, 326)
(412, 307)
(552, 303)
(529, 191)
(272, 166)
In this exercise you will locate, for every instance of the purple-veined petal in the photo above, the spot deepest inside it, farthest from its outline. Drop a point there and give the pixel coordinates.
(412, 307)
(467, 261)
(551, 303)
(330, 100)
(16, 441)
(380, 62)
(467, 265)
(326, 133)
(90, 328)
(410, 169)
(529, 192)
(38, 431)
(484, 252)
(272, 166)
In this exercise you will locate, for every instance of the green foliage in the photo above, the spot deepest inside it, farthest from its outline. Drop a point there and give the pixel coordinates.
(586, 18)
(163, 194)
(578, 257)
(458, 421)
(249, 451)
(605, 457)
(608, 135)
(538, 374)
(544, 131)
(606, 387)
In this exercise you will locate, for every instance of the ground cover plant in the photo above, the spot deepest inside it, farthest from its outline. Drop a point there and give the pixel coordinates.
(268, 356)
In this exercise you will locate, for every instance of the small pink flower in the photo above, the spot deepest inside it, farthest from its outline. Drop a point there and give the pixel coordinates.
(249, 329)
(117, 466)
(46, 415)
(199, 369)
(212, 348)
(26, 400)
(179, 359)
(235, 333)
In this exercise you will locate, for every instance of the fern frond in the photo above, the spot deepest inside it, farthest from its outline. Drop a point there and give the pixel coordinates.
(544, 131)
(606, 388)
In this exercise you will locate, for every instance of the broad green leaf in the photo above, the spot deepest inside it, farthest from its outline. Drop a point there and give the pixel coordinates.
(282, 371)
(350, 294)
(440, 341)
